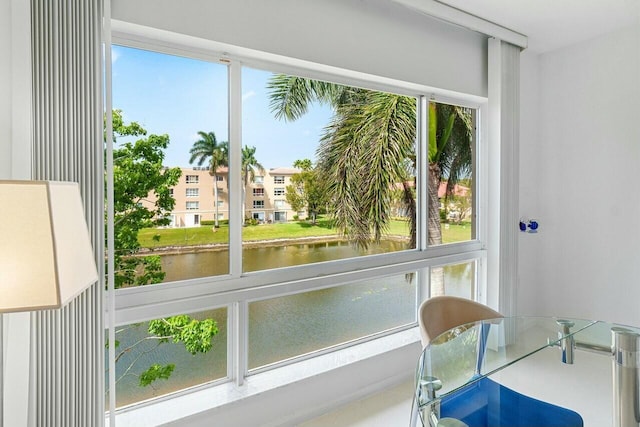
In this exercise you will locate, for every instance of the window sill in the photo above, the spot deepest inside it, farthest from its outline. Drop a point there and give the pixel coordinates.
(289, 394)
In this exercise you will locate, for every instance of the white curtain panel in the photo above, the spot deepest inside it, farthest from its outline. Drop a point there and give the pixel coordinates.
(67, 357)
(504, 118)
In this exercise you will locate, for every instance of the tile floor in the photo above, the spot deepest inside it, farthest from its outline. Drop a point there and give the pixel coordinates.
(391, 408)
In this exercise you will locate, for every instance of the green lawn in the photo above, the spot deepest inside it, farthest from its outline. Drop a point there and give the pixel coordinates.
(204, 235)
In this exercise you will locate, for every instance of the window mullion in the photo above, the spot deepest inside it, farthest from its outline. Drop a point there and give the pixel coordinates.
(238, 341)
(235, 159)
(422, 153)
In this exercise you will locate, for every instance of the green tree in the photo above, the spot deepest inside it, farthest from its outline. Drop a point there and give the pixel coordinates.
(207, 148)
(306, 190)
(369, 147)
(142, 199)
(249, 165)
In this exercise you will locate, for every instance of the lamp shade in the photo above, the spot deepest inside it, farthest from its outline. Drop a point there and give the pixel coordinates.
(46, 257)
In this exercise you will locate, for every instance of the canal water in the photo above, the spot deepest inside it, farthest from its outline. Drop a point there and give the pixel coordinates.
(279, 328)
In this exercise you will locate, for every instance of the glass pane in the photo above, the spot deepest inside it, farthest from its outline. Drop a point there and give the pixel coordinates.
(170, 166)
(324, 172)
(454, 279)
(142, 356)
(451, 174)
(285, 327)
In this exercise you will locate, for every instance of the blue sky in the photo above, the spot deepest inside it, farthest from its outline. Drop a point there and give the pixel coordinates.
(180, 96)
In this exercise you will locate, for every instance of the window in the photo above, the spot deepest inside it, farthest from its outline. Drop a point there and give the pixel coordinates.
(458, 280)
(375, 288)
(295, 162)
(356, 311)
(137, 352)
(455, 193)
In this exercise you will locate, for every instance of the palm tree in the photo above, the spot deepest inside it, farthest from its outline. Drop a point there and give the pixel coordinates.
(249, 165)
(207, 148)
(369, 147)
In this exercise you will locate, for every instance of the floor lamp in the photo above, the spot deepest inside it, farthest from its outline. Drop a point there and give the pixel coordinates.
(46, 256)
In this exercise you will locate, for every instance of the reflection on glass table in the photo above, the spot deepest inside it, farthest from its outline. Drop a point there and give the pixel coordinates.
(528, 371)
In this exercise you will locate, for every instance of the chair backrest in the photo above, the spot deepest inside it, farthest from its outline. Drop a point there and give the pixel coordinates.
(439, 314)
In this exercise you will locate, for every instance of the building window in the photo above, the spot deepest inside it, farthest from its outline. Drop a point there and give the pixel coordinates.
(278, 191)
(258, 204)
(258, 192)
(219, 178)
(193, 192)
(278, 179)
(220, 203)
(193, 206)
(278, 204)
(258, 179)
(192, 179)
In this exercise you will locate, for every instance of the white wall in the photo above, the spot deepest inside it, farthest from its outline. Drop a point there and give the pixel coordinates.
(580, 168)
(370, 36)
(526, 293)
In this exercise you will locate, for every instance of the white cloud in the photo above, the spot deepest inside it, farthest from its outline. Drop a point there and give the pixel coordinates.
(248, 95)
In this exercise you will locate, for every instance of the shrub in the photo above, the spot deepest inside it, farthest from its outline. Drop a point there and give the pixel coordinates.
(210, 222)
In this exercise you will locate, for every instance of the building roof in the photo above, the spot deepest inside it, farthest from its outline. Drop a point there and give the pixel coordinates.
(283, 171)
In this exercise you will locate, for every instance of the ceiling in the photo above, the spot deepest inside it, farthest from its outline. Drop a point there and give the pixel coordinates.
(552, 24)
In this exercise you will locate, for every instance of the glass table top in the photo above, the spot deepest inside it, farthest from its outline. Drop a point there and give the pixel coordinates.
(466, 354)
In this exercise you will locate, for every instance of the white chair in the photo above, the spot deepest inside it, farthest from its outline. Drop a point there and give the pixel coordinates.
(439, 314)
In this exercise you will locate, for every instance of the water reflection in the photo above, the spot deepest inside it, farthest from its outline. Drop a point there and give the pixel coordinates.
(216, 262)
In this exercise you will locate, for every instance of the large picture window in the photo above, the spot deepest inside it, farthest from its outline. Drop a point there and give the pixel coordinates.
(248, 203)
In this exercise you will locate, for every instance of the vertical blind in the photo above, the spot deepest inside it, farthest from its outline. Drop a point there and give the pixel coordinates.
(504, 99)
(68, 344)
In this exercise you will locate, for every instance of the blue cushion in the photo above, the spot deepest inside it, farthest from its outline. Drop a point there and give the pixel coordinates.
(489, 404)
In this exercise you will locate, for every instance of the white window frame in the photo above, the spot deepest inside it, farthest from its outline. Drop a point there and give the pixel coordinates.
(192, 179)
(258, 179)
(236, 290)
(192, 205)
(192, 192)
(278, 179)
(258, 204)
(279, 191)
(279, 204)
(258, 192)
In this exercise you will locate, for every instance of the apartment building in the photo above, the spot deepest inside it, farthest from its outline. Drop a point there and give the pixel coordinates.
(264, 201)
